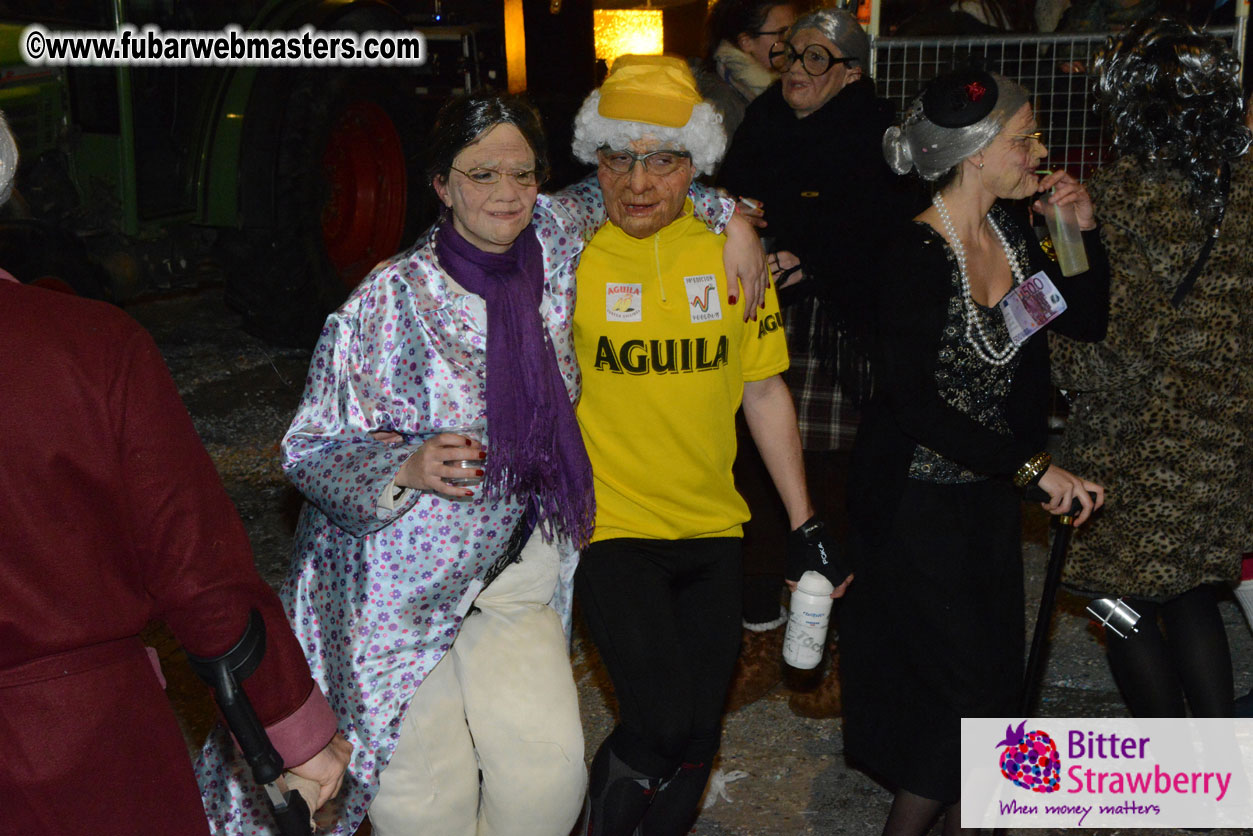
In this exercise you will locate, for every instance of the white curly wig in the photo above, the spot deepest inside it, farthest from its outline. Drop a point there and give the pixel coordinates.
(703, 136)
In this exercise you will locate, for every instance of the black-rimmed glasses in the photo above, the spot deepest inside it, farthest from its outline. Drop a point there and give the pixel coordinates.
(775, 33)
(655, 162)
(490, 176)
(815, 59)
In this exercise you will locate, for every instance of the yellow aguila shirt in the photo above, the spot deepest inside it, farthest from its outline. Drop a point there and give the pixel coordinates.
(664, 360)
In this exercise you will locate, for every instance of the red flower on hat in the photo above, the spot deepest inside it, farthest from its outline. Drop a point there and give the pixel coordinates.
(975, 91)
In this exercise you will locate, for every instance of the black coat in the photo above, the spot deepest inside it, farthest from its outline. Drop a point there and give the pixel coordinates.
(829, 198)
(829, 195)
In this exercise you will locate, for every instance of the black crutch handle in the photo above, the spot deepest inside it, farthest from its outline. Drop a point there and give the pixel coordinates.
(224, 675)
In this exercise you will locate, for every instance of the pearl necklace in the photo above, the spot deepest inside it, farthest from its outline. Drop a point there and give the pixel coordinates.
(974, 322)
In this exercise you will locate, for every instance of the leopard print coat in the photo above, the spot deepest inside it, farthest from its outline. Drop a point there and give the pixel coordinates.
(1162, 411)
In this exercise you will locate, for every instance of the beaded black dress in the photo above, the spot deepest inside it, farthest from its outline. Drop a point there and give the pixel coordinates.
(932, 627)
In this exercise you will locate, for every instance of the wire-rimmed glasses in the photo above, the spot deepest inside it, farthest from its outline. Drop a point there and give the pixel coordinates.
(1028, 139)
(655, 162)
(483, 176)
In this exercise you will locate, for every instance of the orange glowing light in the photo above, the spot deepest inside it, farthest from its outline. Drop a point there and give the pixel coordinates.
(515, 46)
(627, 32)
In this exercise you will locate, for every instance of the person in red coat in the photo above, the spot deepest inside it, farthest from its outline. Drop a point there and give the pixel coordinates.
(112, 515)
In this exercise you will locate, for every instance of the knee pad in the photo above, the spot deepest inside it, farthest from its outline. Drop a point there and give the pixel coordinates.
(655, 755)
(618, 796)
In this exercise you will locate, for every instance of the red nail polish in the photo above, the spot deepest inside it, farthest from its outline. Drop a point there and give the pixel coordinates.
(732, 299)
(469, 492)
(482, 454)
(468, 442)
(478, 473)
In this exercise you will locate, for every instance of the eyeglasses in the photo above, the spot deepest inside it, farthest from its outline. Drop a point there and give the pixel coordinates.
(1037, 136)
(655, 162)
(816, 59)
(490, 176)
(775, 33)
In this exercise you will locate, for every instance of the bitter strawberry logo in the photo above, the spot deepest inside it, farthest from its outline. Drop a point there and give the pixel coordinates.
(1030, 759)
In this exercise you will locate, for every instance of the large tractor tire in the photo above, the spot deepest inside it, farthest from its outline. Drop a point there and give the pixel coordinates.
(346, 186)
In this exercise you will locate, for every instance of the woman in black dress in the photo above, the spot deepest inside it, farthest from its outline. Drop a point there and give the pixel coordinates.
(933, 629)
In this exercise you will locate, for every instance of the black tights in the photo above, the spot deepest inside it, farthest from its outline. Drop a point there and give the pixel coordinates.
(1155, 671)
(912, 815)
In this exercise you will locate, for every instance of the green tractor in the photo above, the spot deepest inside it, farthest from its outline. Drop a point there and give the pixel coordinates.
(295, 181)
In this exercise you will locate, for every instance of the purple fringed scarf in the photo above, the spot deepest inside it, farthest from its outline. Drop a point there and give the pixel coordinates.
(536, 451)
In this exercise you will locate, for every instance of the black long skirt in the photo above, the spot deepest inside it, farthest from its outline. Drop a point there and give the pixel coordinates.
(931, 631)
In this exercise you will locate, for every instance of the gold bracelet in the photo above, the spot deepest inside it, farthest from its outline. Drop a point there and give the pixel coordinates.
(1032, 468)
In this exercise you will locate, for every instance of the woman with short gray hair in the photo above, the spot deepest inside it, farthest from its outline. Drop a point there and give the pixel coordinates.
(932, 630)
(809, 152)
(429, 580)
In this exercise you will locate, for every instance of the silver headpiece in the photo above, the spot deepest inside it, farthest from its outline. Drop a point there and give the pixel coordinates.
(840, 28)
(957, 116)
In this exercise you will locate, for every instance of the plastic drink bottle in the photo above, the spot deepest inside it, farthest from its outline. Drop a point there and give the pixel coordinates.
(1063, 226)
(807, 621)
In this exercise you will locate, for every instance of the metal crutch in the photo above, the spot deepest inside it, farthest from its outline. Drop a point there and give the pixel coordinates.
(224, 675)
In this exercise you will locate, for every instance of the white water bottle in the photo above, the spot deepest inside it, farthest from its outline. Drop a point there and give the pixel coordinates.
(807, 621)
(1063, 226)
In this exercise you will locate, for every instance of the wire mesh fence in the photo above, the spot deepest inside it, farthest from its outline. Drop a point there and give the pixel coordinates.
(1055, 68)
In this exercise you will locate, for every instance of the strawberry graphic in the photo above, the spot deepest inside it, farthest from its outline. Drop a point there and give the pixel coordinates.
(1030, 759)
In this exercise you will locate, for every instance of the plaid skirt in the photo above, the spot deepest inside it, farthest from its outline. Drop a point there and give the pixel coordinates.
(827, 420)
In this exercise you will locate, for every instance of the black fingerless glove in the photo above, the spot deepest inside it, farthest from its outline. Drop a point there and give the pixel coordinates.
(811, 548)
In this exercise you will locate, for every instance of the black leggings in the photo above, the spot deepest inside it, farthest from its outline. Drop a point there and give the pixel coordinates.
(1155, 671)
(665, 616)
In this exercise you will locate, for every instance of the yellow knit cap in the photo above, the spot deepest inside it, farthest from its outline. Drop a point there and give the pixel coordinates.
(654, 89)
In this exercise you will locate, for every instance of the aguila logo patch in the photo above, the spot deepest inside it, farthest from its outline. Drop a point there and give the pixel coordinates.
(624, 302)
